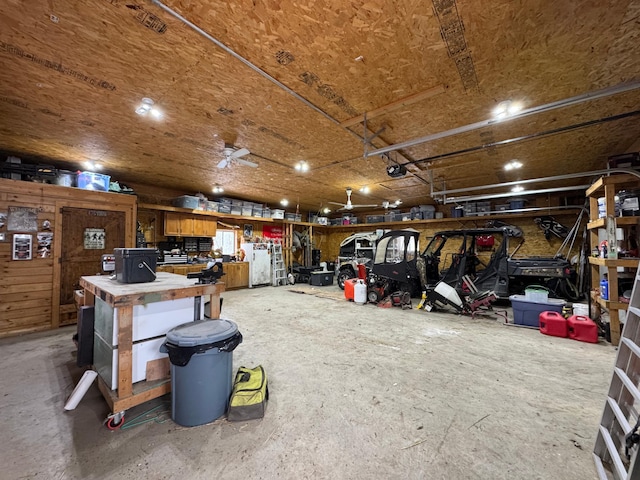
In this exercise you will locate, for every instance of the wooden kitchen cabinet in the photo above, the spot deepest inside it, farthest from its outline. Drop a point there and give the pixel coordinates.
(185, 269)
(177, 224)
(236, 275)
(184, 225)
(204, 226)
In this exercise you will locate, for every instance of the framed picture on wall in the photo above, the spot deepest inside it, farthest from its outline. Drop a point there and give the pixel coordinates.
(248, 231)
(22, 244)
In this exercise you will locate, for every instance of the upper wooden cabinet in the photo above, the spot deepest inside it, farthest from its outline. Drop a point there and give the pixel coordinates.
(204, 226)
(172, 224)
(184, 225)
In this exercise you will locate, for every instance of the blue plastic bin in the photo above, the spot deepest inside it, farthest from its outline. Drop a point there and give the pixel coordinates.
(527, 312)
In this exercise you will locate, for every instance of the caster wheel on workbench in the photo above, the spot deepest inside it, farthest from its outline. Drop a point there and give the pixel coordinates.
(114, 422)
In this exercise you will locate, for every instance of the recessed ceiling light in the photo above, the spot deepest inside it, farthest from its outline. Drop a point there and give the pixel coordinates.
(301, 166)
(517, 188)
(513, 165)
(326, 210)
(92, 166)
(364, 189)
(284, 202)
(218, 189)
(506, 109)
(146, 107)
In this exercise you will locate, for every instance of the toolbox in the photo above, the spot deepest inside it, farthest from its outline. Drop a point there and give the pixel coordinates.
(321, 279)
(135, 265)
(554, 324)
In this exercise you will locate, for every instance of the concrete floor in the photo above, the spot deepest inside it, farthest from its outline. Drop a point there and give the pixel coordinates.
(357, 392)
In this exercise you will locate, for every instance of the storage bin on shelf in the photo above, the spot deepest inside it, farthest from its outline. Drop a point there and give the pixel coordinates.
(93, 181)
(186, 201)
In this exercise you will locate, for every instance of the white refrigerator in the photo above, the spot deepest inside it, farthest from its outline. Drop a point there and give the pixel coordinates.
(259, 257)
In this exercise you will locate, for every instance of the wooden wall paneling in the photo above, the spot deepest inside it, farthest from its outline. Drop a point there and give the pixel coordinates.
(57, 254)
(25, 283)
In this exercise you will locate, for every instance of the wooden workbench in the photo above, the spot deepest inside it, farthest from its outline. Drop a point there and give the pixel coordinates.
(167, 286)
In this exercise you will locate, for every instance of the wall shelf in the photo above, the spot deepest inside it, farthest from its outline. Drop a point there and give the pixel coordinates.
(614, 262)
(606, 187)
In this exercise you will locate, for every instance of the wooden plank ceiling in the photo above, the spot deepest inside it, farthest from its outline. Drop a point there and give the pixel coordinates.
(74, 72)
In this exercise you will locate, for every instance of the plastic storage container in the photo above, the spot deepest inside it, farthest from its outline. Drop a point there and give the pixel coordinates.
(201, 356)
(533, 294)
(66, 178)
(321, 279)
(135, 265)
(629, 203)
(93, 181)
(186, 201)
(554, 324)
(528, 312)
(581, 309)
(582, 328)
(516, 204)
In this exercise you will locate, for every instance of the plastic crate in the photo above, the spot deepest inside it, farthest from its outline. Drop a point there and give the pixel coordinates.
(93, 181)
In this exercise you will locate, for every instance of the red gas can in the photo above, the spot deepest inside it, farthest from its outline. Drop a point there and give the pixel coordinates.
(349, 288)
(554, 324)
(583, 329)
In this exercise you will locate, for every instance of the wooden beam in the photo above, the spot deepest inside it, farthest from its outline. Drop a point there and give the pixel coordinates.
(395, 105)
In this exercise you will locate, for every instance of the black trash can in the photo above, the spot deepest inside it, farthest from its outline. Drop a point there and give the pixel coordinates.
(201, 356)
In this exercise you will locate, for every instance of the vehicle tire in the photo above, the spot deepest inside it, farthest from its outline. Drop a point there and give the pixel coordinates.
(344, 275)
(373, 296)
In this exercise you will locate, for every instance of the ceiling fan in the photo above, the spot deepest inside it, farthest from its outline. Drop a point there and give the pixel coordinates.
(349, 205)
(232, 157)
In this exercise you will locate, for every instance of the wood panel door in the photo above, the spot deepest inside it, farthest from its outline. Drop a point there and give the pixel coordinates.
(86, 236)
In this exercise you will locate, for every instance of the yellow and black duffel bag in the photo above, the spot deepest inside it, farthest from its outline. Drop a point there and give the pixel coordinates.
(249, 395)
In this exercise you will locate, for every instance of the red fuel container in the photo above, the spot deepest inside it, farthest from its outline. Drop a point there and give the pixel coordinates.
(349, 288)
(583, 329)
(554, 324)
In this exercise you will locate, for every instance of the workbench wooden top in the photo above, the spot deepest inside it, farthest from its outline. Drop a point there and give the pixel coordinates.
(166, 286)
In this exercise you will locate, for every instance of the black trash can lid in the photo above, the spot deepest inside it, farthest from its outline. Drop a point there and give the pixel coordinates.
(201, 332)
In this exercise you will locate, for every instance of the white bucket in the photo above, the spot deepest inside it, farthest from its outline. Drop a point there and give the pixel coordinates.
(581, 309)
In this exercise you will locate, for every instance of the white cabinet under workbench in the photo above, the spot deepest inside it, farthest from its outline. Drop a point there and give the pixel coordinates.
(151, 322)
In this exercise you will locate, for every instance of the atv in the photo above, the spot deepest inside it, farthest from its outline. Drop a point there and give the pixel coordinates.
(466, 260)
(357, 249)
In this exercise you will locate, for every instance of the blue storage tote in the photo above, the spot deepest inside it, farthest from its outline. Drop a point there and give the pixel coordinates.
(527, 312)
(93, 181)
